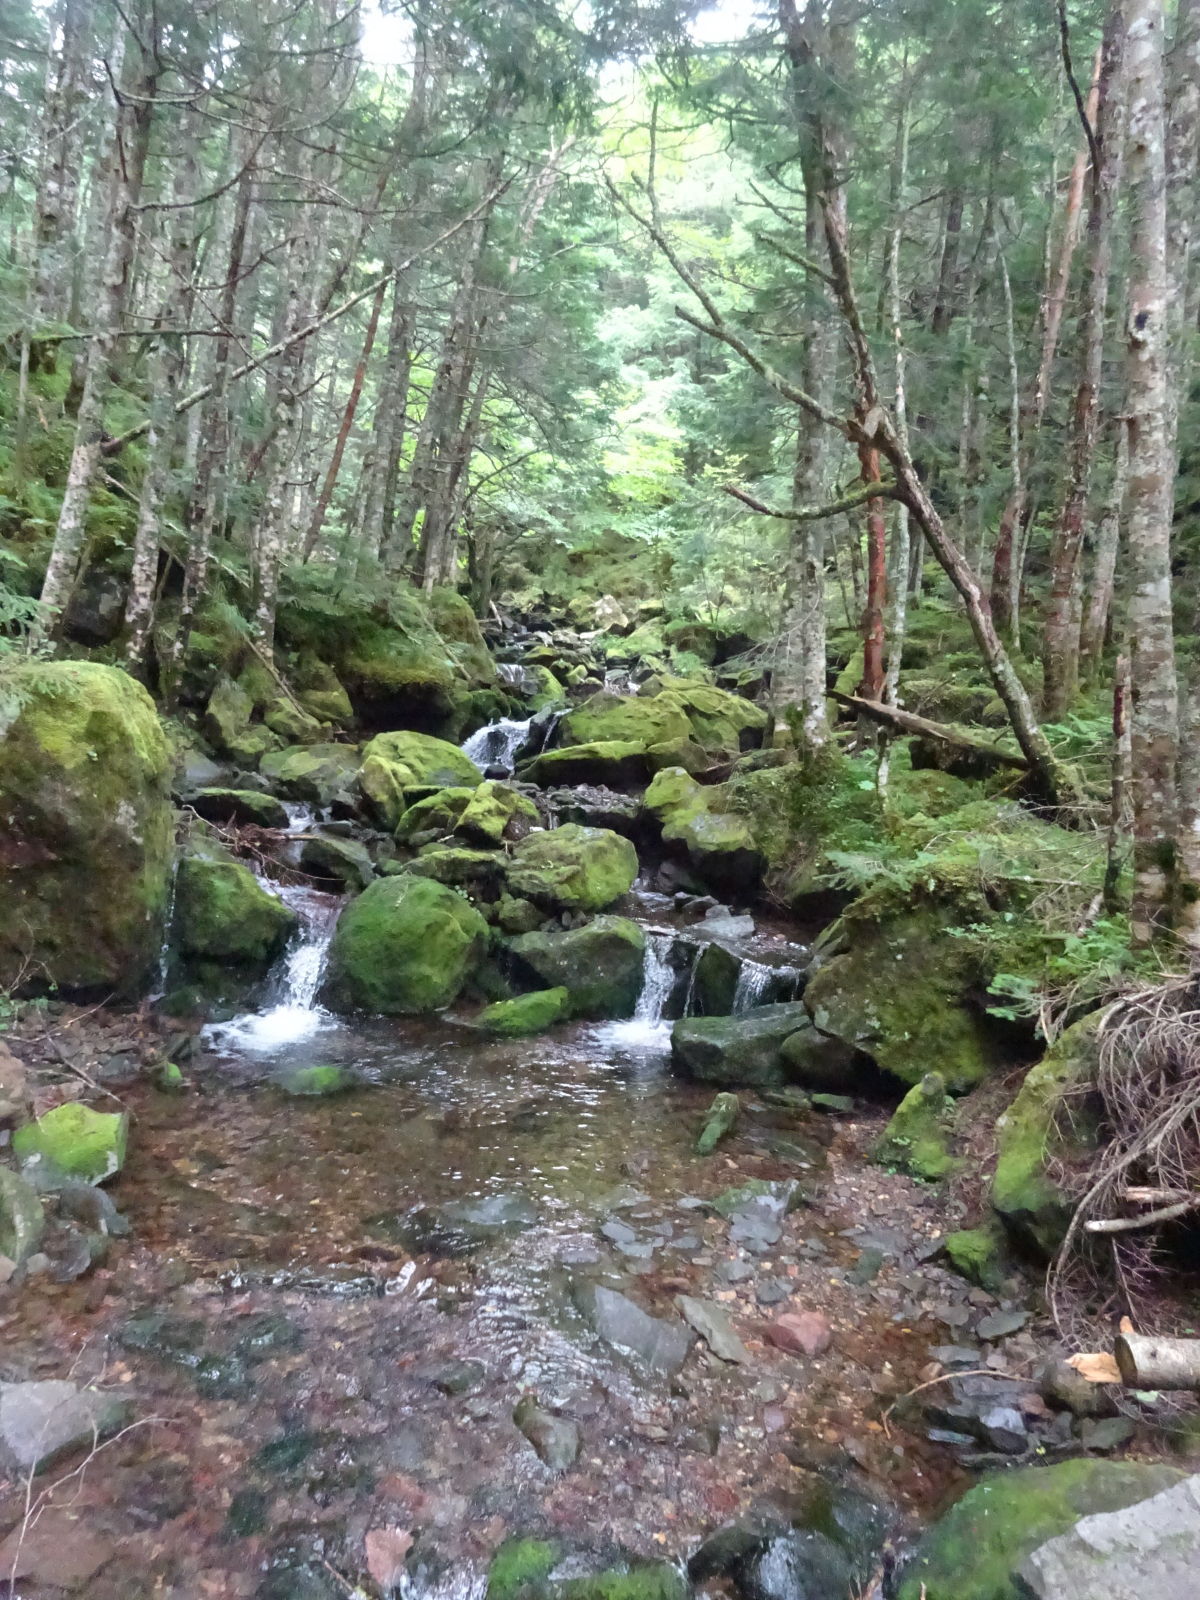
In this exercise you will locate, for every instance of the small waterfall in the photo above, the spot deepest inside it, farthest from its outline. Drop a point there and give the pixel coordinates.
(753, 981)
(658, 978)
(294, 1014)
(497, 744)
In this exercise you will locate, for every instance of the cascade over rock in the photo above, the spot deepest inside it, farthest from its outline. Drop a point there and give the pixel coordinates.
(86, 828)
(223, 913)
(404, 945)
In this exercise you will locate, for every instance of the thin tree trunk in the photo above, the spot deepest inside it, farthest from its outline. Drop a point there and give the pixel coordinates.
(1155, 725)
(871, 684)
(1060, 637)
(1094, 628)
(899, 575)
(339, 449)
(1118, 826)
(132, 136)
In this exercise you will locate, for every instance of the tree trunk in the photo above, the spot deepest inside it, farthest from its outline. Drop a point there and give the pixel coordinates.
(339, 449)
(1060, 637)
(1094, 628)
(871, 685)
(943, 305)
(57, 197)
(1155, 723)
(899, 575)
(131, 139)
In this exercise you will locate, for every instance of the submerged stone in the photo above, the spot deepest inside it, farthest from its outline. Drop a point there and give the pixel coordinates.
(460, 1227)
(520, 1568)
(660, 1346)
(314, 1081)
(527, 1014)
(404, 945)
(22, 1217)
(39, 1422)
(556, 1439)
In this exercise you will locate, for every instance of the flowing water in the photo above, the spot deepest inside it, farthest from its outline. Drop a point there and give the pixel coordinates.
(329, 1307)
(761, 984)
(498, 744)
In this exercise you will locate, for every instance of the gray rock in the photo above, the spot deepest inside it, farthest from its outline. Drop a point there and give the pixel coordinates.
(556, 1439)
(999, 1324)
(1148, 1550)
(714, 1327)
(22, 1217)
(735, 1051)
(1105, 1433)
(42, 1421)
(659, 1345)
(1003, 1428)
(772, 1291)
(344, 861)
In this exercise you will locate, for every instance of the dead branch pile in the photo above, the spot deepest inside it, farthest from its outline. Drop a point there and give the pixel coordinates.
(1145, 1175)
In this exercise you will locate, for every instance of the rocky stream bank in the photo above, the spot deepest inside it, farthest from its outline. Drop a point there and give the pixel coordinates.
(354, 1225)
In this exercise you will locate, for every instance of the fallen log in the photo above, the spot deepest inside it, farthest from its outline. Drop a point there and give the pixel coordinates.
(1146, 1362)
(909, 722)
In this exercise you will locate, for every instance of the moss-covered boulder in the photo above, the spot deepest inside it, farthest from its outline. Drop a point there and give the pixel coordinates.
(720, 848)
(459, 630)
(685, 753)
(336, 860)
(405, 945)
(906, 990)
(395, 762)
(573, 868)
(239, 807)
(86, 828)
(312, 773)
(736, 1052)
(720, 721)
(496, 811)
(315, 1082)
(979, 1255)
(1037, 1141)
(820, 1063)
(673, 793)
(434, 816)
(479, 872)
(228, 725)
(632, 718)
(319, 691)
(520, 1568)
(599, 965)
(223, 913)
(527, 1014)
(974, 1551)
(291, 722)
(917, 1138)
(619, 764)
(76, 1140)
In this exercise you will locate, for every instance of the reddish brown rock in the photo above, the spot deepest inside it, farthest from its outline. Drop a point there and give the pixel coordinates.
(800, 1333)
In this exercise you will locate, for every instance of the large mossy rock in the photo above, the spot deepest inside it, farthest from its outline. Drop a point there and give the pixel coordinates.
(497, 811)
(599, 965)
(223, 913)
(405, 945)
(737, 1052)
(436, 815)
(720, 848)
(458, 628)
(907, 991)
(619, 764)
(395, 762)
(573, 868)
(632, 718)
(227, 723)
(319, 691)
(720, 721)
(479, 872)
(1047, 1127)
(86, 828)
(312, 773)
(239, 807)
(975, 1550)
(74, 1139)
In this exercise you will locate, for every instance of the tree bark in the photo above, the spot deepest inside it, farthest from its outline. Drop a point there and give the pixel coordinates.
(1094, 628)
(871, 685)
(1060, 635)
(1155, 722)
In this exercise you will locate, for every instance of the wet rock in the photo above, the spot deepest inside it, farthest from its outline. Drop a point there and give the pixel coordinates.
(460, 1227)
(817, 1060)
(458, 1376)
(22, 1218)
(57, 1549)
(90, 1207)
(248, 1513)
(959, 1357)
(342, 861)
(14, 1087)
(620, 764)
(800, 1333)
(1003, 1428)
(704, 1440)
(313, 773)
(720, 1119)
(600, 965)
(41, 1421)
(772, 1291)
(75, 1140)
(658, 1345)
(1107, 1433)
(1148, 1549)
(404, 945)
(556, 1439)
(975, 1551)
(1001, 1324)
(736, 1051)
(222, 913)
(714, 1327)
(596, 807)
(239, 807)
(526, 1015)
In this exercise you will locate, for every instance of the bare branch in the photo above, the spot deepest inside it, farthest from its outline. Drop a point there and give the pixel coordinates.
(850, 501)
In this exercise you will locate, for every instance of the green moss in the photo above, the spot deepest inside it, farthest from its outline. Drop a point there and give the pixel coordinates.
(674, 793)
(436, 813)
(87, 825)
(76, 1140)
(527, 1014)
(22, 1217)
(916, 1139)
(314, 1081)
(520, 1565)
(1035, 1137)
(293, 724)
(406, 944)
(395, 762)
(494, 811)
(615, 763)
(573, 868)
(628, 718)
(974, 1551)
(458, 627)
(659, 1581)
(312, 773)
(978, 1255)
(222, 913)
(479, 871)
